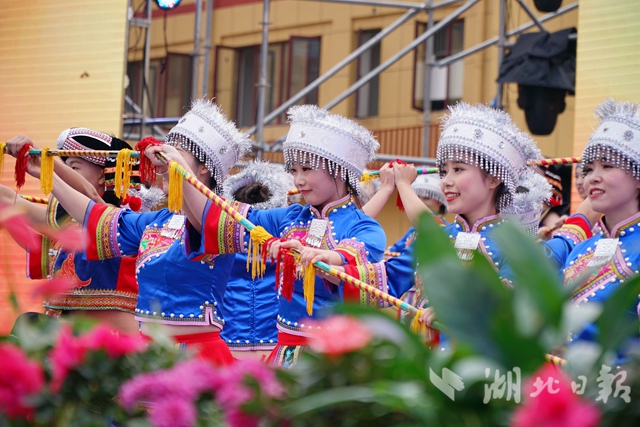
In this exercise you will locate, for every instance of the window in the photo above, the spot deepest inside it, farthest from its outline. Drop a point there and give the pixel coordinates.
(291, 66)
(367, 95)
(168, 88)
(446, 82)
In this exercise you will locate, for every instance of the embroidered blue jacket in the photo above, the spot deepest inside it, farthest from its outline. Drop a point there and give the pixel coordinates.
(604, 279)
(349, 231)
(172, 288)
(251, 308)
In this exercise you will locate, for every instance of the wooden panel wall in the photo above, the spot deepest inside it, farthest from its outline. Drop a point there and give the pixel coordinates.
(61, 65)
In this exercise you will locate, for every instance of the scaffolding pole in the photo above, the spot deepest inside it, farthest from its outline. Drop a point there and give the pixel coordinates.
(426, 94)
(339, 66)
(380, 68)
(195, 71)
(262, 81)
(207, 48)
(145, 79)
(502, 41)
(477, 48)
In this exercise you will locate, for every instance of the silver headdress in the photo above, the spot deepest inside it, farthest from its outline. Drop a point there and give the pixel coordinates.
(213, 139)
(485, 137)
(428, 187)
(527, 206)
(271, 175)
(617, 137)
(334, 143)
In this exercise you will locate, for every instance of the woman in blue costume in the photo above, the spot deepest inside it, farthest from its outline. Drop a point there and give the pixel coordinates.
(482, 159)
(611, 169)
(181, 295)
(105, 290)
(326, 155)
(250, 303)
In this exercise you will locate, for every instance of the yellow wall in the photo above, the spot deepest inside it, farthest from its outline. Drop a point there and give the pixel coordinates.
(61, 65)
(608, 61)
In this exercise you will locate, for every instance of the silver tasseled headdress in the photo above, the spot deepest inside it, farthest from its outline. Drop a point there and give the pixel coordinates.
(527, 206)
(214, 140)
(428, 187)
(485, 137)
(617, 137)
(152, 198)
(271, 175)
(334, 143)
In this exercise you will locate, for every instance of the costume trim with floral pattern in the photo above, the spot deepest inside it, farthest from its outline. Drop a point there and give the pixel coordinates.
(102, 225)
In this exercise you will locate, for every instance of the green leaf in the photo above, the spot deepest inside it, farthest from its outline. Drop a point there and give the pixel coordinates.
(616, 323)
(534, 273)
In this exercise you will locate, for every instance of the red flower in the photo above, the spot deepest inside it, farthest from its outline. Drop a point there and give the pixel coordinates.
(67, 353)
(49, 288)
(113, 343)
(554, 404)
(338, 335)
(19, 378)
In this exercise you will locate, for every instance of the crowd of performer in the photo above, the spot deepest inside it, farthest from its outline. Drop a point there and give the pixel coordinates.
(190, 273)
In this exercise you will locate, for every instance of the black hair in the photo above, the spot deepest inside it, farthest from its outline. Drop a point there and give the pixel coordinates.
(252, 193)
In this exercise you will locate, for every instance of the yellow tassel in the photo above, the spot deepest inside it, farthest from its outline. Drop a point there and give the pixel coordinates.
(124, 168)
(175, 187)
(2, 146)
(418, 327)
(308, 287)
(257, 236)
(46, 171)
(366, 178)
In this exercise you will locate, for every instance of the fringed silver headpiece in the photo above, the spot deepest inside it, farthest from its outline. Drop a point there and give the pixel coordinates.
(152, 198)
(214, 140)
(270, 175)
(334, 143)
(428, 187)
(527, 206)
(617, 137)
(485, 137)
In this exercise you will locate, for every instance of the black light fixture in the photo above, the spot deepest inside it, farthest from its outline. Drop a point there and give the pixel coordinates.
(547, 5)
(167, 4)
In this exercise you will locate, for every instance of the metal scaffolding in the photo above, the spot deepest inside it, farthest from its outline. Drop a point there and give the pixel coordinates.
(426, 39)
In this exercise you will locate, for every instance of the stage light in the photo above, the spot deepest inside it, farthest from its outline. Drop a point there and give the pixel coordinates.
(167, 4)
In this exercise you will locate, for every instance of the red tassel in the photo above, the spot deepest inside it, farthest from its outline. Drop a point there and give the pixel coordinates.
(266, 246)
(399, 204)
(288, 270)
(147, 169)
(21, 165)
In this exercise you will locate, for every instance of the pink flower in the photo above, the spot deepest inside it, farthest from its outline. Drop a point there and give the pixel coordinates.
(19, 378)
(18, 226)
(237, 418)
(70, 238)
(187, 379)
(554, 404)
(49, 288)
(67, 353)
(173, 412)
(113, 343)
(338, 335)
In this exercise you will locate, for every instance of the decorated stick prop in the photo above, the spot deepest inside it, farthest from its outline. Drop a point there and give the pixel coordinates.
(258, 235)
(368, 176)
(81, 153)
(556, 161)
(558, 361)
(32, 199)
